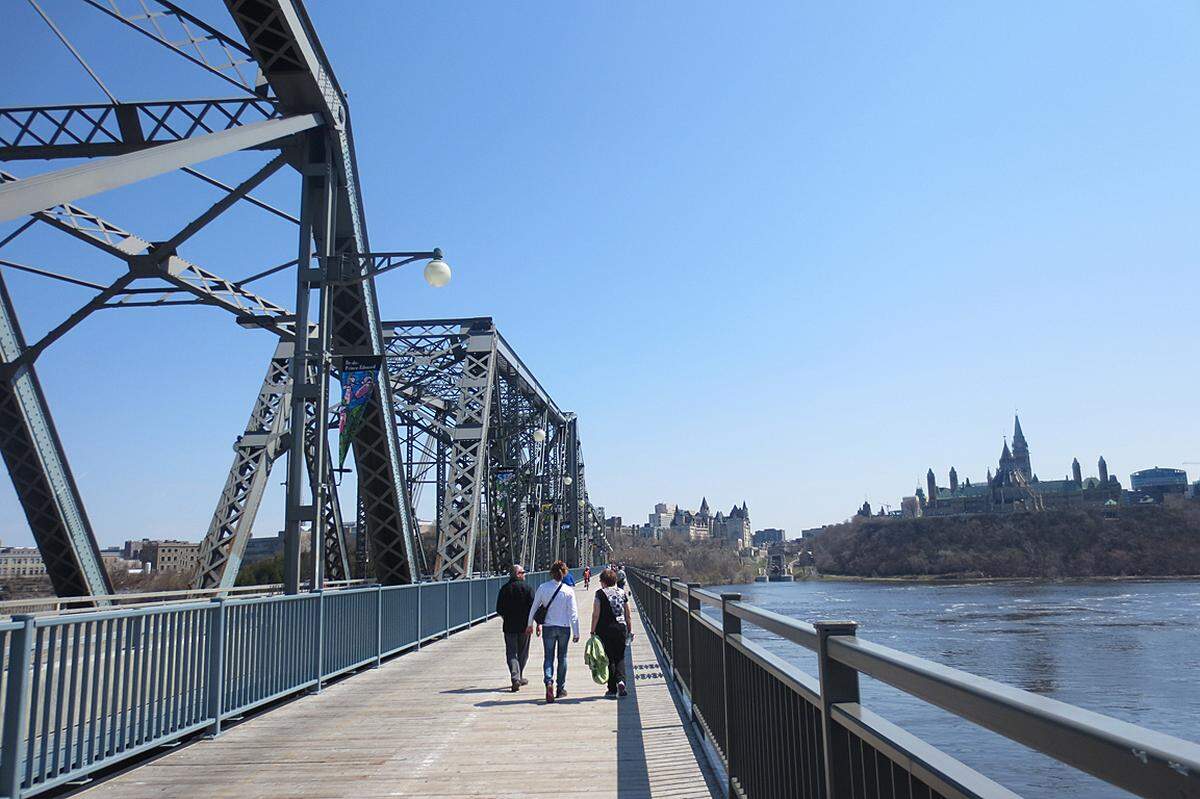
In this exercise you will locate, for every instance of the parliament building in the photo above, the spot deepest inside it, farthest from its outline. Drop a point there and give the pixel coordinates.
(1014, 487)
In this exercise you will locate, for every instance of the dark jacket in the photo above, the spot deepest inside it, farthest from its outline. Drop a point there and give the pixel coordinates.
(513, 604)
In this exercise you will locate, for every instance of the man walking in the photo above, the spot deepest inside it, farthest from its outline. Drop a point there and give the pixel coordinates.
(513, 604)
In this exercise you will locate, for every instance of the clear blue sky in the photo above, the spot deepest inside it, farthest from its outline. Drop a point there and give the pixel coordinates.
(791, 253)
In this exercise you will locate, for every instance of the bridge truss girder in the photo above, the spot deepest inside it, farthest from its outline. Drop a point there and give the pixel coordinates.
(293, 105)
(469, 411)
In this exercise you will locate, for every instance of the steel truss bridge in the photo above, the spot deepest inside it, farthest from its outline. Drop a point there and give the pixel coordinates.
(460, 417)
(459, 423)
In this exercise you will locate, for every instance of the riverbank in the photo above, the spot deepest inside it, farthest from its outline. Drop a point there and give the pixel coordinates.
(1139, 543)
(951, 579)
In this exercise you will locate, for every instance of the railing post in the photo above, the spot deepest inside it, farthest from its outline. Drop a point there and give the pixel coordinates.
(665, 614)
(693, 603)
(378, 625)
(730, 625)
(320, 654)
(675, 634)
(447, 609)
(16, 706)
(839, 683)
(417, 588)
(470, 603)
(216, 663)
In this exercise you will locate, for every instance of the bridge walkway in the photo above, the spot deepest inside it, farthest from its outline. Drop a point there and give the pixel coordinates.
(442, 721)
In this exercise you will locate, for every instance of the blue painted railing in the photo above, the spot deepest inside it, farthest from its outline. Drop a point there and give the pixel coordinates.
(82, 692)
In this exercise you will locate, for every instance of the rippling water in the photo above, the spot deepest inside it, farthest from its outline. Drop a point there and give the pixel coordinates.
(1127, 649)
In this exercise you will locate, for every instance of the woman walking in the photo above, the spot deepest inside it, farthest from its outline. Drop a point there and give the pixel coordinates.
(556, 616)
(610, 621)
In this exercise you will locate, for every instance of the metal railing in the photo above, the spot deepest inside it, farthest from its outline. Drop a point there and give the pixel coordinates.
(84, 691)
(781, 732)
(41, 605)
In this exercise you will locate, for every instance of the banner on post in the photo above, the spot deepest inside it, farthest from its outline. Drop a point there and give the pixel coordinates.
(358, 378)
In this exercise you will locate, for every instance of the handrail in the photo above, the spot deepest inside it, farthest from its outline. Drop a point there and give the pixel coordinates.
(795, 631)
(164, 671)
(1124, 754)
(735, 697)
(84, 604)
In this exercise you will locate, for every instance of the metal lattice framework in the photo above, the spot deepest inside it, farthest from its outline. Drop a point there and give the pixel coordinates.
(458, 411)
(470, 415)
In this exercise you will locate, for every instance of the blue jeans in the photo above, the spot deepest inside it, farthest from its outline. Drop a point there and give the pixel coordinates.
(555, 638)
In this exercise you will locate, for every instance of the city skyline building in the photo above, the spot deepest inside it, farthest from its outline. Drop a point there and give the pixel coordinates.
(1013, 486)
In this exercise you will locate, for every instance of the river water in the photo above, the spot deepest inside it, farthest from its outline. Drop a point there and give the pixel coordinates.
(1128, 649)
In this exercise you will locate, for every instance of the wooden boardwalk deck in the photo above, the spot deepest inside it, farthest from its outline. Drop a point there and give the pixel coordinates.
(442, 722)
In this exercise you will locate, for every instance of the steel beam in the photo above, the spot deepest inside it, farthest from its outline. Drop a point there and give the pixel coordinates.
(40, 473)
(250, 308)
(472, 417)
(106, 129)
(256, 449)
(68, 185)
(281, 38)
(186, 35)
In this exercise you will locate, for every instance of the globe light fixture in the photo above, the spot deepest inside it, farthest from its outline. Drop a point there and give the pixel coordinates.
(437, 273)
(567, 481)
(539, 435)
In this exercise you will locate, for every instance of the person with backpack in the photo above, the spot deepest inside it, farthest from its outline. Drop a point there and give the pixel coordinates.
(610, 622)
(513, 604)
(556, 617)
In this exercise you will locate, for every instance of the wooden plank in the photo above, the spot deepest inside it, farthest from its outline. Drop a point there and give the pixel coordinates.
(442, 722)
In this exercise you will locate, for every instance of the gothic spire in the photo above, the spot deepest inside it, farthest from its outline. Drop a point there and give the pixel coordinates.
(704, 506)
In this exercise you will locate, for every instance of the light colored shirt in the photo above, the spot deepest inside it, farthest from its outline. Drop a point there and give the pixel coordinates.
(562, 612)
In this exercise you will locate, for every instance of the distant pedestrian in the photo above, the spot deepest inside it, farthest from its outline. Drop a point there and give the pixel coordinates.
(512, 604)
(556, 616)
(610, 622)
(621, 579)
(569, 579)
(587, 577)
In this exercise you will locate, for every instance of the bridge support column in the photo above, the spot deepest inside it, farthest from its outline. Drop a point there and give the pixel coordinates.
(730, 626)
(16, 707)
(839, 683)
(216, 663)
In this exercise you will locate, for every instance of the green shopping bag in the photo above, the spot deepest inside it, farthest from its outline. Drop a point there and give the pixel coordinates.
(595, 659)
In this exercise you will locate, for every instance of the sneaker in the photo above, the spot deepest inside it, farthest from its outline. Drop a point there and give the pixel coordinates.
(516, 686)
(549, 694)
(524, 681)
(610, 694)
(621, 689)
(561, 692)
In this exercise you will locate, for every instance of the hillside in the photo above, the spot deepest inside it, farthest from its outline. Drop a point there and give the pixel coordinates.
(1140, 542)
